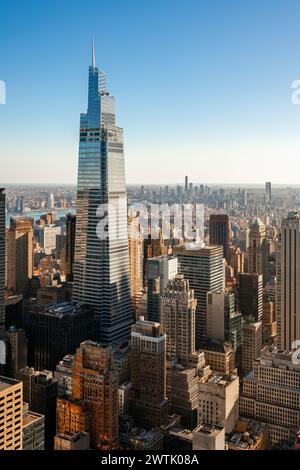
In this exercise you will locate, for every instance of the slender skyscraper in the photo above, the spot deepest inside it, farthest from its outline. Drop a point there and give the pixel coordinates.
(101, 265)
(288, 283)
(2, 260)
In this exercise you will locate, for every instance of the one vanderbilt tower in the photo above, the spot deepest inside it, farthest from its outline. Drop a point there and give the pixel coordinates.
(101, 265)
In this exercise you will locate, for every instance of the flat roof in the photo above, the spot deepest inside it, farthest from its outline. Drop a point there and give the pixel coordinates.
(6, 382)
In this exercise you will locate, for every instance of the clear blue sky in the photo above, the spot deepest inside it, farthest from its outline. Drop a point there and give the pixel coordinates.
(202, 87)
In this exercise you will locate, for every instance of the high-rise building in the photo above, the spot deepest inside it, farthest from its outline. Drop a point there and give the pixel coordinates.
(250, 295)
(288, 283)
(258, 250)
(136, 257)
(220, 357)
(149, 404)
(70, 246)
(158, 271)
(19, 239)
(17, 351)
(271, 393)
(63, 375)
(56, 330)
(178, 320)
(11, 414)
(219, 401)
(268, 189)
(224, 323)
(101, 264)
(47, 236)
(186, 184)
(252, 344)
(40, 392)
(203, 267)
(72, 416)
(268, 322)
(2, 260)
(219, 232)
(95, 381)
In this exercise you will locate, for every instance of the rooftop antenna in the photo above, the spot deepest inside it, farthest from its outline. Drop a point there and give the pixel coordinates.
(93, 53)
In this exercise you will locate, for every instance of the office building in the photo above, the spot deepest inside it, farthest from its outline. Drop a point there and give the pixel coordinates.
(203, 267)
(224, 323)
(149, 404)
(271, 393)
(40, 392)
(72, 416)
(159, 271)
(136, 258)
(16, 351)
(47, 238)
(268, 322)
(268, 190)
(183, 394)
(70, 247)
(258, 250)
(288, 283)
(63, 375)
(101, 263)
(221, 357)
(19, 239)
(56, 330)
(250, 295)
(252, 344)
(219, 401)
(11, 414)
(178, 320)
(219, 232)
(94, 380)
(2, 260)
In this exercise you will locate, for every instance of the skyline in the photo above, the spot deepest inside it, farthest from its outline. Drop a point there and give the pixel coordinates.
(209, 130)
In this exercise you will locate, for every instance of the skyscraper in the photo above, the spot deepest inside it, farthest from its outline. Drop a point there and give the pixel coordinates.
(136, 256)
(19, 254)
(178, 319)
(2, 260)
(101, 265)
(56, 330)
(268, 192)
(219, 232)
(258, 250)
(149, 405)
(11, 414)
(94, 381)
(251, 295)
(288, 283)
(203, 267)
(252, 344)
(70, 246)
(159, 271)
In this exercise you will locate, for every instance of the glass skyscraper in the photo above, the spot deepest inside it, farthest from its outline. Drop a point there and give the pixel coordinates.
(101, 265)
(2, 260)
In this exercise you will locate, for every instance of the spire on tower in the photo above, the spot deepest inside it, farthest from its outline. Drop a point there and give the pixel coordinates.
(93, 53)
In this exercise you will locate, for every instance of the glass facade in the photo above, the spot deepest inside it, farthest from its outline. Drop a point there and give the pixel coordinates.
(101, 265)
(2, 260)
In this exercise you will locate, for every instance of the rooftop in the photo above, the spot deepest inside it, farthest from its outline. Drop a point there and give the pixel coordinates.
(6, 382)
